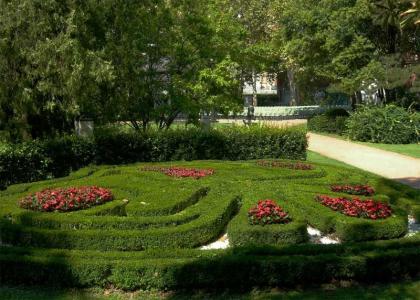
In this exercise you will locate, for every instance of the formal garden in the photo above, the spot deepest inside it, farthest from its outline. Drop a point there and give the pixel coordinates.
(155, 217)
(163, 149)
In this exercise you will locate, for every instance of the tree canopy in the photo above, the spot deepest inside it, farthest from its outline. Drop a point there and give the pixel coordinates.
(151, 61)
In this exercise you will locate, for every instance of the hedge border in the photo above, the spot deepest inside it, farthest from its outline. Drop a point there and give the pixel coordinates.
(236, 268)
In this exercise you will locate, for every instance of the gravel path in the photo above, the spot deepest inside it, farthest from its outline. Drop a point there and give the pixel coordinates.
(384, 163)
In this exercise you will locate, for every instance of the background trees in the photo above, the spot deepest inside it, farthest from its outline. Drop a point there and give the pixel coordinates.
(151, 61)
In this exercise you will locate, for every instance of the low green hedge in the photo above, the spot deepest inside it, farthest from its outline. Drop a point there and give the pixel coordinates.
(236, 268)
(241, 233)
(192, 234)
(39, 160)
(347, 229)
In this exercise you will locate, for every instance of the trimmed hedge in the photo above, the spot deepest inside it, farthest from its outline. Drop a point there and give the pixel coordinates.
(348, 229)
(241, 233)
(39, 160)
(198, 231)
(236, 268)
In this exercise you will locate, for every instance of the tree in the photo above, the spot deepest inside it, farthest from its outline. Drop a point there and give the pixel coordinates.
(161, 52)
(248, 28)
(46, 71)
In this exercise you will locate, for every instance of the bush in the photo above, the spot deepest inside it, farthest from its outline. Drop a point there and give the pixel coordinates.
(37, 160)
(332, 121)
(57, 157)
(388, 125)
(169, 269)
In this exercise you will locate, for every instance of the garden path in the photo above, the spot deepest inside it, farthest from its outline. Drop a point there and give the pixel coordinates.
(390, 165)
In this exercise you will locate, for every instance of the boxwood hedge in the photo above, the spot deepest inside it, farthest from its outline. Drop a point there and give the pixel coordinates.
(166, 219)
(37, 160)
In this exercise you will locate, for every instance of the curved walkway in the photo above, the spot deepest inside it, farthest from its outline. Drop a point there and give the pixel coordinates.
(391, 165)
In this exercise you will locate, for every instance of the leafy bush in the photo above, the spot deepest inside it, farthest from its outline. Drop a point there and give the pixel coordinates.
(332, 121)
(58, 157)
(37, 160)
(388, 125)
(337, 112)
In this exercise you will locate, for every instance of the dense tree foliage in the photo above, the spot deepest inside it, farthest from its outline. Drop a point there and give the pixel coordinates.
(349, 46)
(151, 61)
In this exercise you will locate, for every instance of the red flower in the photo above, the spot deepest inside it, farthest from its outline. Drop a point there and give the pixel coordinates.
(364, 190)
(182, 172)
(66, 199)
(356, 207)
(267, 212)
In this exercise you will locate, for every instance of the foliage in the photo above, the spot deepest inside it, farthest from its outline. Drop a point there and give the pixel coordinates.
(348, 42)
(389, 125)
(324, 123)
(32, 161)
(166, 214)
(48, 69)
(411, 15)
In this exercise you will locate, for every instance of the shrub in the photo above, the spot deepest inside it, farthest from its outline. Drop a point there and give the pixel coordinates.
(68, 199)
(244, 268)
(389, 125)
(267, 212)
(332, 121)
(337, 112)
(57, 157)
(37, 160)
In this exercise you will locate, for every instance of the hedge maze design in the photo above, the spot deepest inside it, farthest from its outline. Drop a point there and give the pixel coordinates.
(149, 236)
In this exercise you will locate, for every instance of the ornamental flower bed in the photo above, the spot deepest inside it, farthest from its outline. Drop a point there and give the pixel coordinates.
(363, 190)
(355, 207)
(66, 199)
(181, 172)
(267, 212)
(285, 165)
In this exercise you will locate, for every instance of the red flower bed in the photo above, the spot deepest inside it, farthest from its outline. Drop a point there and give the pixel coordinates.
(182, 172)
(267, 212)
(364, 190)
(355, 207)
(66, 199)
(285, 165)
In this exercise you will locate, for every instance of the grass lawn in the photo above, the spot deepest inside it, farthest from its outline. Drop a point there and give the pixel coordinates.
(412, 150)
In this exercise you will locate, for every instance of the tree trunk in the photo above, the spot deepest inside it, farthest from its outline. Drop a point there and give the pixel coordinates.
(254, 89)
(293, 89)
